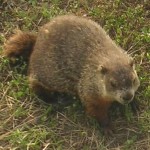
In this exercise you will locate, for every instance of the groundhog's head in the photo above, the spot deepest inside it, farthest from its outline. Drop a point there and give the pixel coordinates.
(121, 82)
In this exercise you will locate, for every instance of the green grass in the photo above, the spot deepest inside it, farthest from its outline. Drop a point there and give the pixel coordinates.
(28, 123)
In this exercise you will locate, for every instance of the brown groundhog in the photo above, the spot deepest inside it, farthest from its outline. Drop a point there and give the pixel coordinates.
(74, 55)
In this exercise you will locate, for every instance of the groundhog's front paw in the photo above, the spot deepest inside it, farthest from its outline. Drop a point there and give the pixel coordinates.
(107, 128)
(108, 131)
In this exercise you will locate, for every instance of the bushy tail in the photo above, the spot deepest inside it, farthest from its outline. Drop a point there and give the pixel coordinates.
(20, 44)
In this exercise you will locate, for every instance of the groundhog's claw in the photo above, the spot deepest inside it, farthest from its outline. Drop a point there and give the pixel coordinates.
(108, 131)
(107, 128)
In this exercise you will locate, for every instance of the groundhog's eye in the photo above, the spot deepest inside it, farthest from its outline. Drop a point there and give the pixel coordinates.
(113, 84)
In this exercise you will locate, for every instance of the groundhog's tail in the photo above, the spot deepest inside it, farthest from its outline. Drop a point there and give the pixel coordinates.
(20, 44)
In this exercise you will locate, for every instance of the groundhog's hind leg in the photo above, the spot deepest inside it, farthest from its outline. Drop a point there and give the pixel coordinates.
(41, 91)
(49, 96)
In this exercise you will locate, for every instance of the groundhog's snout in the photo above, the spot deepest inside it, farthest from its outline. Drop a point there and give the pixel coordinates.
(128, 96)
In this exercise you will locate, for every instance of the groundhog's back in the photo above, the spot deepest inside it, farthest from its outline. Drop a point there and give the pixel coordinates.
(64, 47)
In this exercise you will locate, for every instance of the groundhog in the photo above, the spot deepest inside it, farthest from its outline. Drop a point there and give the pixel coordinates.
(74, 55)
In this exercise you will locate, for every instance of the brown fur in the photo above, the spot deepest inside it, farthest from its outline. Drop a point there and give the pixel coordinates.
(75, 55)
(20, 44)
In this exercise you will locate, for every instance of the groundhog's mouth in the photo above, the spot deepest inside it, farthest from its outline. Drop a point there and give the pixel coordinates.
(123, 102)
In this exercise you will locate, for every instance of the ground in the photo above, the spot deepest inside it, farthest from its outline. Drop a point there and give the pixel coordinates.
(28, 123)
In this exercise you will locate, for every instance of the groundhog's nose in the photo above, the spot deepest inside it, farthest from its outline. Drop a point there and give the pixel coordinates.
(128, 96)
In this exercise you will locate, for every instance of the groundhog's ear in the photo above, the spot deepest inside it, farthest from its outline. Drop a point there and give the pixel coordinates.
(103, 69)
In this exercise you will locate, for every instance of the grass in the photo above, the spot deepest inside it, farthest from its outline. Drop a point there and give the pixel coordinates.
(28, 123)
